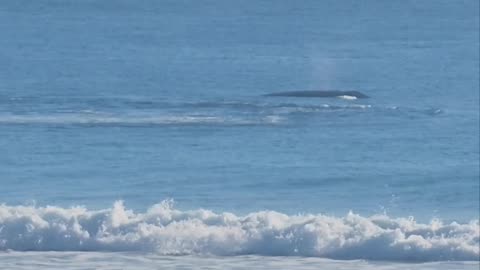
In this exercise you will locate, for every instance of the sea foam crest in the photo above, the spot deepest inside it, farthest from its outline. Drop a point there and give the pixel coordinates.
(162, 229)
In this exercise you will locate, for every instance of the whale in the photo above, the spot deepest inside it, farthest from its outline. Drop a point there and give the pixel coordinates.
(319, 94)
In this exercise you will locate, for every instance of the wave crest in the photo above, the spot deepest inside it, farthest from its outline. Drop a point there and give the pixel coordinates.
(162, 229)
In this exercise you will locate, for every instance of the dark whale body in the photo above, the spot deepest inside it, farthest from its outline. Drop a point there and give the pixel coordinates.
(323, 94)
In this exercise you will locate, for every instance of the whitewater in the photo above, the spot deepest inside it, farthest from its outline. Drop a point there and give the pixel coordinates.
(164, 230)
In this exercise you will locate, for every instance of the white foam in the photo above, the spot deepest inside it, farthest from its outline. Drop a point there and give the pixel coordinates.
(347, 97)
(163, 229)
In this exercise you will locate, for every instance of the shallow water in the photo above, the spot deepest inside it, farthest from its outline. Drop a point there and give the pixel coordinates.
(110, 261)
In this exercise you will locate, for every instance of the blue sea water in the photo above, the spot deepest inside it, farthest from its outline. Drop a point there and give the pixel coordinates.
(142, 128)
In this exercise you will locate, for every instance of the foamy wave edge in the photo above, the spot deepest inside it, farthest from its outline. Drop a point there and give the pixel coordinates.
(162, 229)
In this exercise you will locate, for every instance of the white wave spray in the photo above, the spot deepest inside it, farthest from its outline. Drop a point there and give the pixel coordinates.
(162, 229)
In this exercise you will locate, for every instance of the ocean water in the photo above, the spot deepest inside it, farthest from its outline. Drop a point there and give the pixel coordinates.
(137, 135)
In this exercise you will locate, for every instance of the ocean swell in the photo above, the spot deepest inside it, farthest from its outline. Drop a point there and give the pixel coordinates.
(162, 229)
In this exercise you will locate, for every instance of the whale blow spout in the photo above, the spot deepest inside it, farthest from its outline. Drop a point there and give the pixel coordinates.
(320, 94)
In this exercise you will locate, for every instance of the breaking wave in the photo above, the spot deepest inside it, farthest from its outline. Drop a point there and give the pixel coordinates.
(164, 230)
